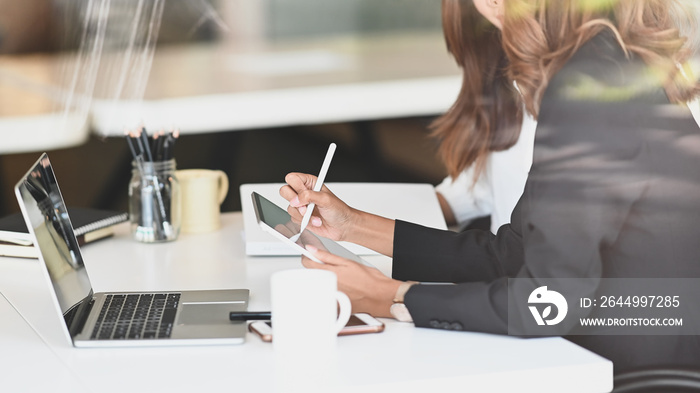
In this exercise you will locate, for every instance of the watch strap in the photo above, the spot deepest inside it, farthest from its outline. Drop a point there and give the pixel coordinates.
(402, 289)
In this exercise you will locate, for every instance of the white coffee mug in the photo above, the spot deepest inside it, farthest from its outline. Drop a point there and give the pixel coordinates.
(308, 311)
(202, 192)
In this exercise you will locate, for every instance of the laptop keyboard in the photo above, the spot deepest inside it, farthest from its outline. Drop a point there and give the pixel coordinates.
(136, 316)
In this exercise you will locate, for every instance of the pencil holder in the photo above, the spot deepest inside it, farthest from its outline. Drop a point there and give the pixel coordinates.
(154, 201)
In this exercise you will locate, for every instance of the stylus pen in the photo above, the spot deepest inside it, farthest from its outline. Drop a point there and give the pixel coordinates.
(318, 186)
(249, 315)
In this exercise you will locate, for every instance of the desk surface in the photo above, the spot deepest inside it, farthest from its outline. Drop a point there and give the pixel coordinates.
(401, 357)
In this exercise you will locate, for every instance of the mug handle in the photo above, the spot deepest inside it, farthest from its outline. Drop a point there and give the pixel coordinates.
(344, 310)
(223, 185)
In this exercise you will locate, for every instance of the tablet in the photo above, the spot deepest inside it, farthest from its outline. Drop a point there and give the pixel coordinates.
(277, 222)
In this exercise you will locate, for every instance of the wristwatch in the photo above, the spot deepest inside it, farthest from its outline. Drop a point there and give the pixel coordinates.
(399, 310)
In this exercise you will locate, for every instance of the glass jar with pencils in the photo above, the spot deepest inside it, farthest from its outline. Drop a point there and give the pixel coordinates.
(154, 201)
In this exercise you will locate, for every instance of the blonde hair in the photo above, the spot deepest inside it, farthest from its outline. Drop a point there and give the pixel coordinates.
(538, 38)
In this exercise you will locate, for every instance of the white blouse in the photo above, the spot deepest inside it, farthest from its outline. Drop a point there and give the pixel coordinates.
(498, 187)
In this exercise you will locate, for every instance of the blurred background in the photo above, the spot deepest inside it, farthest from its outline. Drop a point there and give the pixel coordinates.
(75, 73)
(258, 88)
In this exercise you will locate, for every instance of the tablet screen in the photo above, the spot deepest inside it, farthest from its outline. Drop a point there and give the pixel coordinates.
(271, 216)
(274, 216)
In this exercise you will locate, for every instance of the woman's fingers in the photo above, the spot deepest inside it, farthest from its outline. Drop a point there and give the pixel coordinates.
(300, 181)
(294, 212)
(296, 183)
(327, 258)
(299, 193)
(311, 264)
(288, 193)
(299, 190)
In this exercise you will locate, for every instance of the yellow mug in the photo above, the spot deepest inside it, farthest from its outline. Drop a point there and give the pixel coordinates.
(202, 191)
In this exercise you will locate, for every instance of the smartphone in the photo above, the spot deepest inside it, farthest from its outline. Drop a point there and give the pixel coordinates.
(357, 324)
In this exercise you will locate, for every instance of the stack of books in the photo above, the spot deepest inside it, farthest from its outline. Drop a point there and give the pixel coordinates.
(89, 225)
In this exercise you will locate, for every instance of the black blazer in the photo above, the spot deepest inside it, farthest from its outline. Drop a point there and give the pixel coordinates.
(614, 191)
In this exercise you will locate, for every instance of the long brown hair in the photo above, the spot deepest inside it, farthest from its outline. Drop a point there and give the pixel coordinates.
(486, 116)
(538, 38)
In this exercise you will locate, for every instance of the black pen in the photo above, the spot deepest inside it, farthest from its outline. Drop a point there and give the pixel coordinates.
(249, 315)
(130, 142)
(143, 135)
(155, 144)
(169, 145)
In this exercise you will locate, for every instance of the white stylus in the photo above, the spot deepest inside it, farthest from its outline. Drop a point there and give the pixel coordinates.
(317, 188)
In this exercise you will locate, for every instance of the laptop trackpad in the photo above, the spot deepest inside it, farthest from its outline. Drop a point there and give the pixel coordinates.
(204, 314)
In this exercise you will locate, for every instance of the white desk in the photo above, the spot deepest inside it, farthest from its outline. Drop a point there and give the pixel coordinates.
(34, 114)
(225, 86)
(401, 357)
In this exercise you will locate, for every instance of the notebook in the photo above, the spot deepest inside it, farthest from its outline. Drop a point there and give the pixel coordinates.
(88, 224)
(91, 319)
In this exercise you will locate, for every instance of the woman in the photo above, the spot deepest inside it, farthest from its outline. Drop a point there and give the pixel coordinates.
(613, 191)
(486, 149)
(486, 153)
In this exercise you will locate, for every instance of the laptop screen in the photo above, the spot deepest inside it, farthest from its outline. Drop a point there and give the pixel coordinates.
(46, 217)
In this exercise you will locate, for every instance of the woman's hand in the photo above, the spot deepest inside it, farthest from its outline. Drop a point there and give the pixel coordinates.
(331, 218)
(369, 289)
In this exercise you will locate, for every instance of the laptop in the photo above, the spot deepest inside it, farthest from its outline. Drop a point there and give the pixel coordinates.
(121, 318)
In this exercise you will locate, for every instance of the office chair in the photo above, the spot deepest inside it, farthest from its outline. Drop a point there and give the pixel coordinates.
(666, 380)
